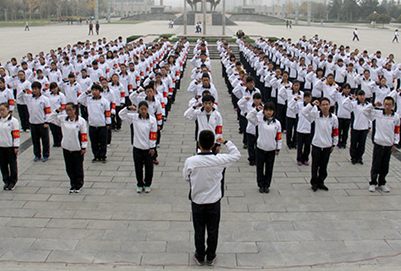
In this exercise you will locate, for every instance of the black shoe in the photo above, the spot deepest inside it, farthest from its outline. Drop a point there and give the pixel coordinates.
(261, 189)
(245, 146)
(198, 260)
(103, 160)
(353, 162)
(5, 187)
(211, 262)
(323, 187)
(95, 160)
(267, 190)
(252, 163)
(360, 161)
(314, 188)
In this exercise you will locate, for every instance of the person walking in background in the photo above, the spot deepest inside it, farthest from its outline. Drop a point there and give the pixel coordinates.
(90, 28)
(205, 174)
(395, 35)
(355, 34)
(74, 143)
(97, 27)
(9, 147)
(26, 26)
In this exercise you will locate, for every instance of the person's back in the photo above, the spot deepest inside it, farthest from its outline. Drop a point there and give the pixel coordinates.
(205, 173)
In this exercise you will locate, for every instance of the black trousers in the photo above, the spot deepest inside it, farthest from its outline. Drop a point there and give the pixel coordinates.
(116, 120)
(8, 165)
(320, 160)
(291, 135)
(206, 217)
(303, 147)
(343, 129)
(281, 108)
(143, 158)
(38, 132)
(84, 112)
(24, 116)
(243, 122)
(264, 167)
(380, 164)
(98, 137)
(358, 142)
(251, 147)
(57, 135)
(74, 164)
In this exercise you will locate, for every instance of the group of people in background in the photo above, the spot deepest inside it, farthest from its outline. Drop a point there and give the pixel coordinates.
(96, 84)
(313, 91)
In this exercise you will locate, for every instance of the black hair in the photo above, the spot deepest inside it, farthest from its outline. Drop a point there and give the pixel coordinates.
(36, 84)
(206, 139)
(141, 103)
(208, 98)
(361, 92)
(389, 98)
(74, 106)
(53, 85)
(97, 87)
(2, 80)
(205, 75)
(324, 99)
(250, 79)
(307, 94)
(346, 85)
(270, 106)
(71, 75)
(257, 95)
(205, 92)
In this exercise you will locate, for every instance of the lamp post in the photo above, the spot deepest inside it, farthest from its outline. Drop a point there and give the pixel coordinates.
(224, 18)
(185, 17)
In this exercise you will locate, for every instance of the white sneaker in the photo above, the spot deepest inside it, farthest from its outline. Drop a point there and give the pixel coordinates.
(139, 189)
(384, 188)
(372, 188)
(147, 189)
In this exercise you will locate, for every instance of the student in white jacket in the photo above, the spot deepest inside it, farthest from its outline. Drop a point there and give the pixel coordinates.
(205, 174)
(9, 147)
(74, 143)
(268, 143)
(324, 139)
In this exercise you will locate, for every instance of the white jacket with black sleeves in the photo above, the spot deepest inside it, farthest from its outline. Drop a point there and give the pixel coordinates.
(326, 128)
(268, 131)
(204, 173)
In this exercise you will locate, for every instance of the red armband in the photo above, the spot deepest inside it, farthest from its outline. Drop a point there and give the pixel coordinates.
(108, 114)
(397, 130)
(219, 130)
(153, 136)
(159, 117)
(84, 137)
(15, 134)
(47, 110)
(11, 102)
(335, 132)
(278, 136)
(113, 106)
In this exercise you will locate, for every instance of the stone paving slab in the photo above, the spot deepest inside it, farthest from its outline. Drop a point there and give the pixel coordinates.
(108, 225)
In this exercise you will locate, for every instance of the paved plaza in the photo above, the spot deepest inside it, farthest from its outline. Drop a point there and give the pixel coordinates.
(108, 225)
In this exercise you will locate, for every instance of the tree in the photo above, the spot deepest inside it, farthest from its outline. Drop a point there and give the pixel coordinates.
(368, 6)
(335, 9)
(384, 19)
(349, 10)
(318, 10)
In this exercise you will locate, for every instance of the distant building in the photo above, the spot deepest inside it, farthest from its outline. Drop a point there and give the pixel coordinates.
(127, 8)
